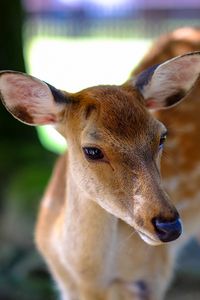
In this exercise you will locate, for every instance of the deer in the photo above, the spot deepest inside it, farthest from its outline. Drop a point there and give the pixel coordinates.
(106, 206)
(183, 124)
(181, 160)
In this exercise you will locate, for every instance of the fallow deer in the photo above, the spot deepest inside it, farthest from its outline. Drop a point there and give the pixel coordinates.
(180, 165)
(106, 193)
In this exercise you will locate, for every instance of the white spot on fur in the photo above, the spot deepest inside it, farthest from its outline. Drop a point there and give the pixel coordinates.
(174, 183)
(138, 198)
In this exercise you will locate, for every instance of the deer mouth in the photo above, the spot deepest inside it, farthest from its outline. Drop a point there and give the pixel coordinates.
(165, 232)
(149, 239)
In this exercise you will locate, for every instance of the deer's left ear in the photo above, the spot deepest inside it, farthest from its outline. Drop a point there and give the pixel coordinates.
(165, 85)
(31, 100)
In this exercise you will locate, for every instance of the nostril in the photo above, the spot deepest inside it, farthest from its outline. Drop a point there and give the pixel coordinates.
(168, 231)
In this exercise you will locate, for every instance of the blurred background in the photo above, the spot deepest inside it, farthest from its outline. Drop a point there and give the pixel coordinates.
(71, 44)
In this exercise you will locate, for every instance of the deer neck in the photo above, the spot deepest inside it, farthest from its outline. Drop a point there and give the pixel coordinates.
(87, 224)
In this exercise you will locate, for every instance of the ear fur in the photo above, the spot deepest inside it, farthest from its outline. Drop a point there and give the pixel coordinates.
(166, 84)
(31, 100)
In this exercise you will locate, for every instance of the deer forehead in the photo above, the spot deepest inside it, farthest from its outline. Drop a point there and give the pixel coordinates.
(113, 115)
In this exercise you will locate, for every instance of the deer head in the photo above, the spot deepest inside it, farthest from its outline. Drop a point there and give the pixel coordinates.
(114, 143)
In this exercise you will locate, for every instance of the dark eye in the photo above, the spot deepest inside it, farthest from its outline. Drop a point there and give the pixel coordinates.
(162, 140)
(93, 153)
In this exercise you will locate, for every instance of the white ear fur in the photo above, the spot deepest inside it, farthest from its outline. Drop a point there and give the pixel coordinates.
(29, 99)
(167, 84)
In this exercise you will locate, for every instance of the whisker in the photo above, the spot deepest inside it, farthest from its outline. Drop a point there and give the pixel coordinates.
(124, 242)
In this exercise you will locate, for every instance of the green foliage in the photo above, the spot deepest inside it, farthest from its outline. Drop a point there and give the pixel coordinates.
(24, 170)
(23, 276)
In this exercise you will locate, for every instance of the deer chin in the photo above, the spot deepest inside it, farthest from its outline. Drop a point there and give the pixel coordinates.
(149, 239)
(146, 237)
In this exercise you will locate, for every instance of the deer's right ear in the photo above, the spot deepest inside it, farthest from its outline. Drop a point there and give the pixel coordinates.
(167, 84)
(31, 100)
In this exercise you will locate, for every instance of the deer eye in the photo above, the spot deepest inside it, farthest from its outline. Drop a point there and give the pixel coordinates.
(93, 153)
(162, 140)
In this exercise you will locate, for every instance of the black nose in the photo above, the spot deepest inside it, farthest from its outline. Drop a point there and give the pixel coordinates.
(168, 231)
